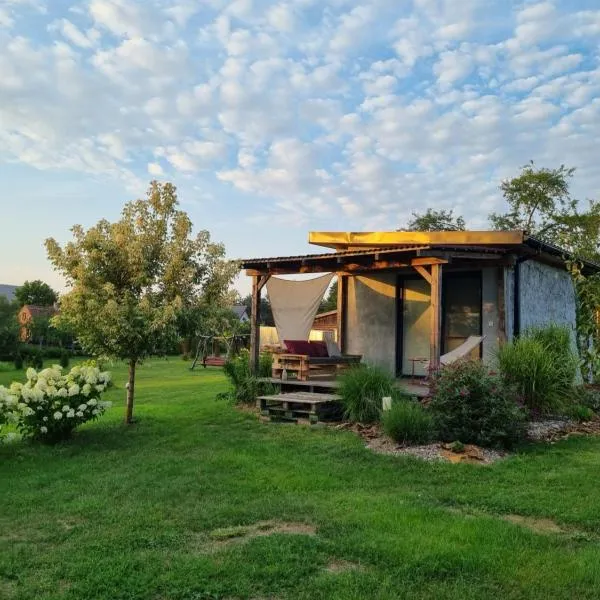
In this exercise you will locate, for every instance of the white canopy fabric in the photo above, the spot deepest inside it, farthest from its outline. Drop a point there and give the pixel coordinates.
(295, 304)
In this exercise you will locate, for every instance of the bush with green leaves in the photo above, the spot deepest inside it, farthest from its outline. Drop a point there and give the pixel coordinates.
(246, 387)
(542, 367)
(64, 359)
(588, 396)
(408, 422)
(52, 403)
(474, 406)
(362, 389)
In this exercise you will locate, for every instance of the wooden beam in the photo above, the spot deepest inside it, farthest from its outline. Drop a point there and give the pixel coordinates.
(341, 310)
(435, 339)
(255, 325)
(423, 272)
(263, 281)
(429, 260)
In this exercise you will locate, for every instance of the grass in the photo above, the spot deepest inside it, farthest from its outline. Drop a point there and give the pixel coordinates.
(200, 501)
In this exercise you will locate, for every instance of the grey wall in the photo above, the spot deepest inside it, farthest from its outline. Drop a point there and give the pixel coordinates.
(371, 319)
(547, 296)
(489, 316)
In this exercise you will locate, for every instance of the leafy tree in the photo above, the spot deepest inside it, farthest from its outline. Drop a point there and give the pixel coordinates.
(36, 292)
(330, 302)
(539, 202)
(436, 220)
(9, 328)
(129, 280)
(266, 314)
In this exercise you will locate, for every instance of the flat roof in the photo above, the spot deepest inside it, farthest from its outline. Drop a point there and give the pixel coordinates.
(344, 239)
(358, 249)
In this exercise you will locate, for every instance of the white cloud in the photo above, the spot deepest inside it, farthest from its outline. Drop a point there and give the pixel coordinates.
(155, 169)
(348, 111)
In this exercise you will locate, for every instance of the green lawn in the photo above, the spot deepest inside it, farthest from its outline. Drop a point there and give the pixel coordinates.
(155, 511)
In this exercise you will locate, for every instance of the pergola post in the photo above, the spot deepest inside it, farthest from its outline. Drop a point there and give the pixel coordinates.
(258, 283)
(435, 340)
(341, 311)
(255, 326)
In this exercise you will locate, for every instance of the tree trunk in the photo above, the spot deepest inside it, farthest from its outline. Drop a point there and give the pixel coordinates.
(130, 392)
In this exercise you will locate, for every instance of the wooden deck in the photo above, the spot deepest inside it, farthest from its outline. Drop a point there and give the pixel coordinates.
(315, 384)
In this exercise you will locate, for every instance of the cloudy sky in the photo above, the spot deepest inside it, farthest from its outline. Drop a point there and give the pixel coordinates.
(275, 118)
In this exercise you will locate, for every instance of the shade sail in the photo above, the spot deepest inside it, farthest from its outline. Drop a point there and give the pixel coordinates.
(295, 304)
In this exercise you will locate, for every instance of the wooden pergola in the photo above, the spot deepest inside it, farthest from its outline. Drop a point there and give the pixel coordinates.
(425, 253)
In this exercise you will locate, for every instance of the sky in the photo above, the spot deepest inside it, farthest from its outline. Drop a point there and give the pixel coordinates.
(274, 118)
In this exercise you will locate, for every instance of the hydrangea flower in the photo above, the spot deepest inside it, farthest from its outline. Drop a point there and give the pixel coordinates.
(57, 416)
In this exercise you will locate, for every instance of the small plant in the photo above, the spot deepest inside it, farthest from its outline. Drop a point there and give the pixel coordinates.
(362, 389)
(473, 406)
(35, 360)
(246, 387)
(408, 422)
(457, 447)
(18, 361)
(542, 368)
(588, 396)
(50, 404)
(579, 412)
(64, 359)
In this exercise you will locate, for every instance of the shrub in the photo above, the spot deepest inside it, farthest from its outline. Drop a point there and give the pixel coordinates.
(50, 404)
(5, 367)
(362, 389)
(35, 360)
(247, 387)
(18, 361)
(64, 359)
(542, 368)
(580, 412)
(588, 396)
(471, 405)
(408, 422)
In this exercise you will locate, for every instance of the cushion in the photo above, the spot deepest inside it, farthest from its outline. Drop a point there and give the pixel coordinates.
(319, 349)
(298, 346)
(333, 349)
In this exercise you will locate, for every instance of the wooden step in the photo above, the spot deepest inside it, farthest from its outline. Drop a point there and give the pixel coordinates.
(300, 405)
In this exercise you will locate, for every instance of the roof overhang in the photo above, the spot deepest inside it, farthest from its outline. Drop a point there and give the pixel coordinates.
(353, 239)
(356, 252)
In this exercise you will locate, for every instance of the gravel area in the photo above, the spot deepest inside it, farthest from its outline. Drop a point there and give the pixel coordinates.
(550, 428)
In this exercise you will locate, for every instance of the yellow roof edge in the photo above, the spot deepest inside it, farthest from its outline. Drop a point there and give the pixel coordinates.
(344, 239)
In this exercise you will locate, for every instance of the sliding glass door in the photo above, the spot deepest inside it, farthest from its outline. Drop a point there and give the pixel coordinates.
(461, 318)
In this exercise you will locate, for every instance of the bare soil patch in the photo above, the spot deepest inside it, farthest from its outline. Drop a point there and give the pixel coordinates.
(342, 566)
(224, 537)
(536, 525)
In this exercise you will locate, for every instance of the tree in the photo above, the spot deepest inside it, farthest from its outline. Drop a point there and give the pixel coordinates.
(9, 328)
(266, 314)
(330, 302)
(35, 292)
(129, 281)
(436, 220)
(540, 203)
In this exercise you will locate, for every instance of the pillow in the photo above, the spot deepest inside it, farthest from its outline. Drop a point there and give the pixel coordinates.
(333, 349)
(319, 349)
(297, 346)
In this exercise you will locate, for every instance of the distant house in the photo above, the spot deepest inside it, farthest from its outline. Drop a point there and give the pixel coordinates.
(242, 313)
(8, 291)
(29, 313)
(326, 321)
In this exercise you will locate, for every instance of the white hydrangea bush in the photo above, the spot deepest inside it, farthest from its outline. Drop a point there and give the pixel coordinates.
(51, 404)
